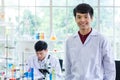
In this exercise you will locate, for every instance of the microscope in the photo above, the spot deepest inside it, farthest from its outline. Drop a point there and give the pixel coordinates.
(46, 70)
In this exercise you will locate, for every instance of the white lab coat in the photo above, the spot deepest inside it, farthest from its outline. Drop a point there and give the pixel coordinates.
(92, 60)
(33, 62)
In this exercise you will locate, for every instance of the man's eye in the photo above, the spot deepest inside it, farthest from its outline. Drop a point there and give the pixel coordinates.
(78, 17)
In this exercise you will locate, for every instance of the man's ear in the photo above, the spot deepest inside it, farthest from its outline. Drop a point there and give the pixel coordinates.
(92, 18)
(75, 19)
(46, 50)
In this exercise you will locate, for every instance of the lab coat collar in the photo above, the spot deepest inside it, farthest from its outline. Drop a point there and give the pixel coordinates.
(93, 33)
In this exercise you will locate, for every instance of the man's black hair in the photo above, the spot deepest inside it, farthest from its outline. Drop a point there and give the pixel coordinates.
(40, 45)
(83, 8)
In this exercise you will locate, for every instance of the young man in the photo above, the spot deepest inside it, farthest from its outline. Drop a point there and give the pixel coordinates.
(43, 60)
(88, 53)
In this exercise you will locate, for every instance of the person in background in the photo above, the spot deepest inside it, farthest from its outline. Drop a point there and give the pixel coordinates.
(88, 53)
(43, 60)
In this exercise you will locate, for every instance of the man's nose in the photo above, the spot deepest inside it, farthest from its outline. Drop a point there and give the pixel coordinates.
(82, 19)
(39, 55)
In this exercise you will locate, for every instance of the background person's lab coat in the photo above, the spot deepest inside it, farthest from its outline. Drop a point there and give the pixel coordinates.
(33, 62)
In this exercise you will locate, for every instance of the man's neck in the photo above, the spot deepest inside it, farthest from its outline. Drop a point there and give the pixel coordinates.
(85, 31)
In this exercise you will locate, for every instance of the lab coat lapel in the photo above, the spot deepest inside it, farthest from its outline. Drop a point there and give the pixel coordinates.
(77, 40)
(93, 33)
(87, 40)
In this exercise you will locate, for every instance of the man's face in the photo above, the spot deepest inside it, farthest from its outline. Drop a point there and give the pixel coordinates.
(83, 20)
(41, 54)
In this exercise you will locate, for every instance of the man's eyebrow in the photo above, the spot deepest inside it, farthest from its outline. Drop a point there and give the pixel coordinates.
(78, 15)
